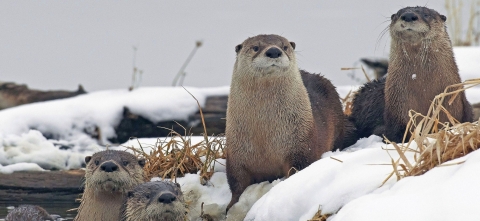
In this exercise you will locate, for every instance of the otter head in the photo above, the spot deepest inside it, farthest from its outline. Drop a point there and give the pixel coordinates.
(159, 200)
(265, 54)
(112, 170)
(414, 24)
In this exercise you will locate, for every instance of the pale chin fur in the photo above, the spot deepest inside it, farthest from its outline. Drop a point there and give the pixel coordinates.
(266, 62)
(416, 28)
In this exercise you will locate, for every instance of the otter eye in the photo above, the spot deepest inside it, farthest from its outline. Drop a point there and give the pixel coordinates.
(97, 162)
(255, 48)
(147, 196)
(285, 48)
(125, 163)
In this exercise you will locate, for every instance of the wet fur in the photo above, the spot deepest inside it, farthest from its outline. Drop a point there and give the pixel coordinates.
(28, 213)
(102, 200)
(142, 203)
(368, 108)
(427, 53)
(271, 127)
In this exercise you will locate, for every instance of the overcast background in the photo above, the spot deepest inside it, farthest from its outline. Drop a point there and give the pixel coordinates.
(60, 44)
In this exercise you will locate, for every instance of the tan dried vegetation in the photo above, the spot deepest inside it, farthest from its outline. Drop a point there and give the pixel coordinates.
(437, 142)
(177, 155)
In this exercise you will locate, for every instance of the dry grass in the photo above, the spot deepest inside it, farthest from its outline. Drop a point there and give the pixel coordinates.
(177, 155)
(319, 216)
(347, 102)
(437, 142)
(461, 37)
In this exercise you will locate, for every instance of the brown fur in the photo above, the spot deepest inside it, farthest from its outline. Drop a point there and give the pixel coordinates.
(12, 94)
(270, 123)
(105, 189)
(151, 201)
(426, 51)
(28, 213)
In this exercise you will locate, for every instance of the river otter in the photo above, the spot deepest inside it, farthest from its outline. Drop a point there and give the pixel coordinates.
(109, 176)
(158, 200)
(421, 66)
(273, 123)
(12, 94)
(28, 213)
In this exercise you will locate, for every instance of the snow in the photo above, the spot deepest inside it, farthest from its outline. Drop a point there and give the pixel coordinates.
(468, 61)
(20, 167)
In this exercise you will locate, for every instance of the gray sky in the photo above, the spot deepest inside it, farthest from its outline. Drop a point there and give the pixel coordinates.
(60, 44)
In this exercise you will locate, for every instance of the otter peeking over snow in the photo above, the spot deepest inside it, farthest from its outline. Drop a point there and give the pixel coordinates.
(421, 66)
(109, 175)
(278, 117)
(155, 201)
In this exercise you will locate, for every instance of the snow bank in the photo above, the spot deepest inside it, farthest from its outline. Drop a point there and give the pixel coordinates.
(33, 147)
(443, 193)
(70, 118)
(353, 188)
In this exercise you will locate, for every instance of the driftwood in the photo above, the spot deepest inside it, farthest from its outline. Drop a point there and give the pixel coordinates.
(12, 94)
(133, 125)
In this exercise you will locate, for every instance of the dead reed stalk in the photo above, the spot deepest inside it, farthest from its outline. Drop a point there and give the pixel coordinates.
(437, 142)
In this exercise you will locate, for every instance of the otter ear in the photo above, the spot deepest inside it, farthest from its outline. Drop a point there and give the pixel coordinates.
(87, 159)
(443, 17)
(130, 194)
(393, 16)
(141, 162)
(238, 48)
(293, 45)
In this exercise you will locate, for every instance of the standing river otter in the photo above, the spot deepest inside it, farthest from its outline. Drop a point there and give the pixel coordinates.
(421, 66)
(278, 117)
(158, 200)
(109, 176)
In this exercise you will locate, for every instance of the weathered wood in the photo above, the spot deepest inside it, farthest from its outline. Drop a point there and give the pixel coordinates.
(214, 113)
(41, 186)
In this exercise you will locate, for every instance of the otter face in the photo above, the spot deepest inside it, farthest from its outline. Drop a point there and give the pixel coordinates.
(266, 54)
(159, 200)
(413, 24)
(112, 170)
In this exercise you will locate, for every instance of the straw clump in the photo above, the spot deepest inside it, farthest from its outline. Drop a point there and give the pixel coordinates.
(437, 142)
(176, 155)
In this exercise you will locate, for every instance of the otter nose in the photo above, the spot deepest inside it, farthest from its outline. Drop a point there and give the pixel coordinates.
(408, 17)
(273, 52)
(109, 167)
(166, 198)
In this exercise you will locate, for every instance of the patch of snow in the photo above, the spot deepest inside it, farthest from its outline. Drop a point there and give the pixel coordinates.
(20, 167)
(414, 76)
(467, 59)
(33, 147)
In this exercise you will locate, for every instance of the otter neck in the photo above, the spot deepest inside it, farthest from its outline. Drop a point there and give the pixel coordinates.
(94, 204)
(427, 60)
(278, 100)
